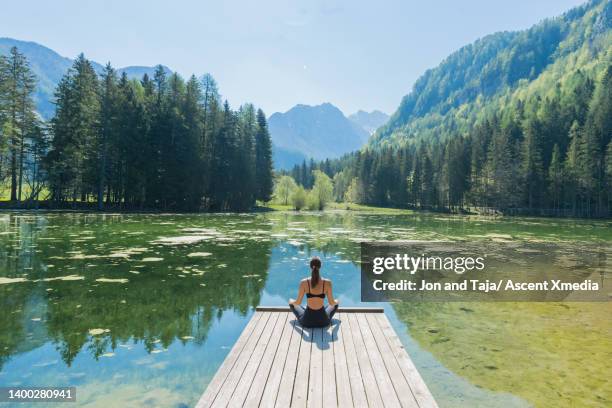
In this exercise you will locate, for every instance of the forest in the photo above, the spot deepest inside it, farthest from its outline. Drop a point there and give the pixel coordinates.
(515, 123)
(538, 156)
(156, 143)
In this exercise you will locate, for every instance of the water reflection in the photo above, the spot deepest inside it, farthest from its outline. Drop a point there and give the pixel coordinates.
(142, 309)
(63, 301)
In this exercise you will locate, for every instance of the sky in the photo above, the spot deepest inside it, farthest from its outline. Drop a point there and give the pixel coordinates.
(277, 53)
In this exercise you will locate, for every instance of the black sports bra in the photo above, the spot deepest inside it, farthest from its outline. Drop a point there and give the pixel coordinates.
(311, 295)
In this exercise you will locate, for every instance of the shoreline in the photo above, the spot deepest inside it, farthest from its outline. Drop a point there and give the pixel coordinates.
(47, 206)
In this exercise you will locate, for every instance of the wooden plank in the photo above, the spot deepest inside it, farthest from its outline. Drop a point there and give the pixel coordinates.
(217, 382)
(340, 309)
(417, 385)
(226, 392)
(343, 384)
(300, 383)
(272, 386)
(358, 361)
(329, 370)
(367, 373)
(260, 378)
(255, 359)
(285, 388)
(402, 388)
(315, 379)
(356, 381)
(383, 378)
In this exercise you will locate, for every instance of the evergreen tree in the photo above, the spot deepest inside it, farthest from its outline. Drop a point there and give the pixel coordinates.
(37, 149)
(570, 168)
(108, 126)
(531, 164)
(131, 147)
(16, 114)
(608, 180)
(555, 177)
(263, 159)
(596, 136)
(245, 163)
(75, 128)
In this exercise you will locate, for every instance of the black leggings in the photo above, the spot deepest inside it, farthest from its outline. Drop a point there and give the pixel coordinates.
(314, 317)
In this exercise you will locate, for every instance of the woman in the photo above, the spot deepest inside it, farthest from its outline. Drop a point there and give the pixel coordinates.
(315, 288)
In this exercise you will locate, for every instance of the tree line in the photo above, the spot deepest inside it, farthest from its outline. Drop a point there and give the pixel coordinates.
(317, 197)
(156, 143)
(549, 156)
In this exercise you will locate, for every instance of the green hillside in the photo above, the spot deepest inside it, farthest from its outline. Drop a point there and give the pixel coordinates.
(500, 69)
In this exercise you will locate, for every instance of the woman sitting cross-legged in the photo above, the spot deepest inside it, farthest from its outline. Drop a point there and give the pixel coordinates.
(316, 288)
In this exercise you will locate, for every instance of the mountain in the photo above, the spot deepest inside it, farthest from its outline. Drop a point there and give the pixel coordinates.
(317, 132)
(49, 67)
(370, 121)
(500, 69)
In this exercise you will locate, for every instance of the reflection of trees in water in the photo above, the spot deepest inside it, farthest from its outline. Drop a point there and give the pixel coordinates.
(318, 236)
(177, 307)
(156, 306)
(17, 331)
(13, 335)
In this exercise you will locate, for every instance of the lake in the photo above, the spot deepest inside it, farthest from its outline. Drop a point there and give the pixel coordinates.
(141, 309)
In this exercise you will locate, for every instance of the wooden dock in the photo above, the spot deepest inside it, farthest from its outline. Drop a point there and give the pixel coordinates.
(358, 361)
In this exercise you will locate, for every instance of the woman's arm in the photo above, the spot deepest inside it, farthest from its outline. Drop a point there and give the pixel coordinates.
(300, 295)
(330, 295)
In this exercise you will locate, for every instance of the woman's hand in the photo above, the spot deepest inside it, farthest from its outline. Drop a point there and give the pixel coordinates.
(292, 301)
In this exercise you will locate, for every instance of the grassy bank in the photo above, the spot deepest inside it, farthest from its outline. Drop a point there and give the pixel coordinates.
(344, 206)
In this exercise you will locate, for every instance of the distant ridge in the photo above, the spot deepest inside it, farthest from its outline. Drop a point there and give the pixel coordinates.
(497, 70)
(317, 132)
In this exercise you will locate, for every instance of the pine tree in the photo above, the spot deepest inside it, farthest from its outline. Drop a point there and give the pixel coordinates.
(3, 110)
(157, 108)
(414, 180)
(73, 156)
(531, 164)
(263, 159)
(555, 177)
(478, 179)
(428, 193)
(453, 178)
(245, 161)
(108, 126)
(131, 149)
(501, 171)
(37, 149)
(608, 180)
(190, 146)
(595, 138)
(570, 167)
(17, 113)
